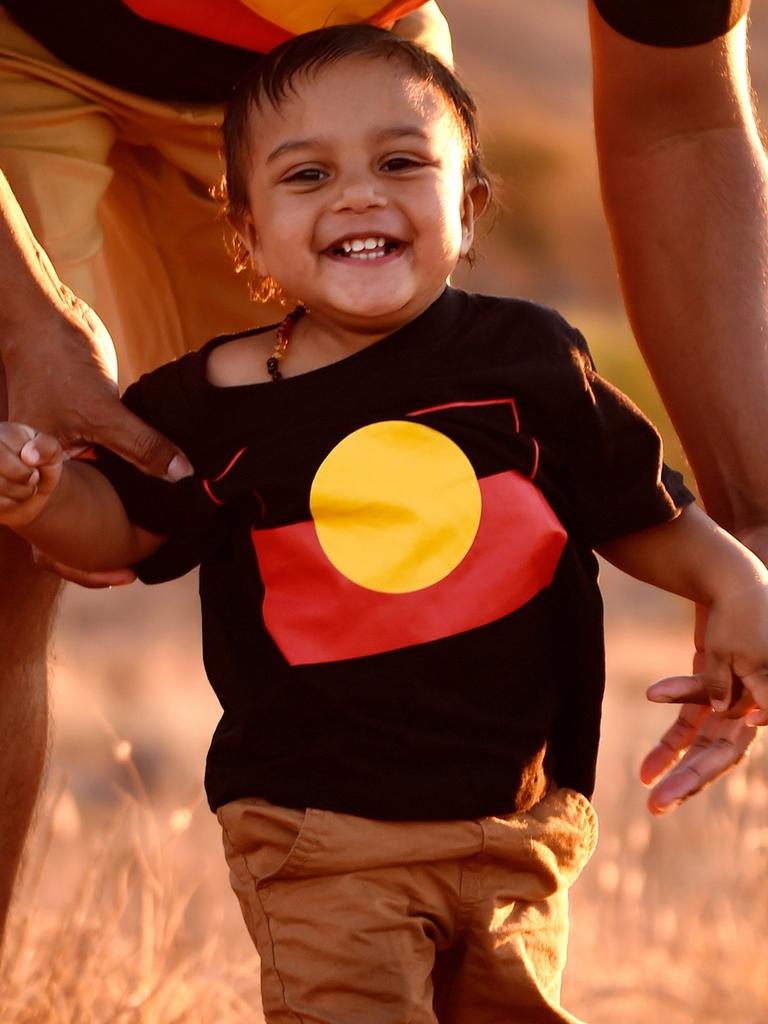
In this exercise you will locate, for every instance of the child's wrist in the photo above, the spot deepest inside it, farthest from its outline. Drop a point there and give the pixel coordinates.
(748, 579)
(733, 569)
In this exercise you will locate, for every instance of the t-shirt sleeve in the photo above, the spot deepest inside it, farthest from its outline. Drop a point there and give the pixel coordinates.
(612, 459)
(181, 512)
(260, 25)
(672, 22)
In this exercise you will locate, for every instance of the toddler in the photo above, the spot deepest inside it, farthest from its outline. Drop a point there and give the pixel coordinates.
(398, 495)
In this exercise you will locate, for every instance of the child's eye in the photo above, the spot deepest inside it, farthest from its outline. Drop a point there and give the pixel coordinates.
(306, 176)
(401, 163)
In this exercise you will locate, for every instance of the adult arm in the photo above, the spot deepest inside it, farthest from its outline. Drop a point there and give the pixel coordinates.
(685, 189)
(59, 360)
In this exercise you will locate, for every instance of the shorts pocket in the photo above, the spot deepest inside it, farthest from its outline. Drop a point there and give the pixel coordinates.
(569, 828)
(264, 841)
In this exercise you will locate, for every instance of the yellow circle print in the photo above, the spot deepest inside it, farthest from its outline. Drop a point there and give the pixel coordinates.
(396, 506)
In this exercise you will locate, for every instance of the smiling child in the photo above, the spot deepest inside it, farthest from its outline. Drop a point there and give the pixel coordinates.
(398, 495)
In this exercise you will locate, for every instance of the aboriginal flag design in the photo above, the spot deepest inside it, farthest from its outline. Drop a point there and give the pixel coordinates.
(411, 538)
(263, 24)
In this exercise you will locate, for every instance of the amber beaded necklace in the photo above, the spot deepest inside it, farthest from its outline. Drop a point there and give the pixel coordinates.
(284, 332)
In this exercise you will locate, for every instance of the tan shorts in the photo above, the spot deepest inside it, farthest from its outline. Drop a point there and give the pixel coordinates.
(115, 187)
(370, 922)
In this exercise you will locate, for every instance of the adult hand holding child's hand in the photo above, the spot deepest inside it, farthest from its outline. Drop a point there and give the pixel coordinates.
(58, 364)
(703, 744)
(30, 467)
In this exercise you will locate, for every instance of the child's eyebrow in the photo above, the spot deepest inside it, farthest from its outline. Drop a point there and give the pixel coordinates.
(395, 132)
(289, 146)
(402, 131)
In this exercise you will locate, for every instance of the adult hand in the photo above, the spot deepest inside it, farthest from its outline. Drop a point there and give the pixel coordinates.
(428, 27)
(60, 371)
(700, 747)
(703, 744)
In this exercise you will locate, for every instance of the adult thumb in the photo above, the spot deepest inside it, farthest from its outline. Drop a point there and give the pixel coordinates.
(148, 450)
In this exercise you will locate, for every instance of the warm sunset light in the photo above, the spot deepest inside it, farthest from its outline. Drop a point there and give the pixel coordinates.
(373, 534)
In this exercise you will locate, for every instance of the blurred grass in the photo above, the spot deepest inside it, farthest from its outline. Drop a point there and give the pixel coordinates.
(123, 944)
(125, 914)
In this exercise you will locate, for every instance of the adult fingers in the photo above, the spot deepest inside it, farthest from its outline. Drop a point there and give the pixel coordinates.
(137, 442)
(720, 746)
(678, 690)
(677, 739)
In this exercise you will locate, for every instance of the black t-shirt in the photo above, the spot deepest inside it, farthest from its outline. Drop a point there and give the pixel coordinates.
(105, 39)
(400, 609)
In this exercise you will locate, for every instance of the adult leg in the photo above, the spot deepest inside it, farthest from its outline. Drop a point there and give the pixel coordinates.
(27, 601)
(164, 234)
(52, 148)
(685, 186)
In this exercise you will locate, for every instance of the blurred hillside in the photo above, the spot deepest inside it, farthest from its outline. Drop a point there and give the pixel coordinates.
(528, 67)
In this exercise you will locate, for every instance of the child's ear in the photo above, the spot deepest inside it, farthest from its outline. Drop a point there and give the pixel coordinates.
(477, 195)
(246, 233)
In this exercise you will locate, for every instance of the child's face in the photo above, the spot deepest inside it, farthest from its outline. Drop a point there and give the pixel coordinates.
(357, 195)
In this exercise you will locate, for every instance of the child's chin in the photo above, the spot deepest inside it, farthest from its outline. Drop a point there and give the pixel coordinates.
(374, 307)
(375, 310)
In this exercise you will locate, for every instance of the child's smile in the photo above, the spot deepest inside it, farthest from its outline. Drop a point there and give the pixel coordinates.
(365, 249)
(357, 196)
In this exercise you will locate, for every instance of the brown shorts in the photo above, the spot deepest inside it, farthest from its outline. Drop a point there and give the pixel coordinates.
(372, 922)
(116, 188)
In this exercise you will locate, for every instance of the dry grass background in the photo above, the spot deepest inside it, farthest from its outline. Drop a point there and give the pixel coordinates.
(125, 914)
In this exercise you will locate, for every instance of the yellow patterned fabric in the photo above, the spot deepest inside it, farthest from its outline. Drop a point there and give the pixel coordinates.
(305, 15)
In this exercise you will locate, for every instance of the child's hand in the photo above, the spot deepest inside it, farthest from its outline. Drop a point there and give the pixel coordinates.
(730, 665)
(30, 468)
(736, 651)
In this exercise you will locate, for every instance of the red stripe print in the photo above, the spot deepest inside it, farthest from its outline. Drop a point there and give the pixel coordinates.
(226, 21)
(470, 405)
(315, 614)
(536, 452)
(222, 474)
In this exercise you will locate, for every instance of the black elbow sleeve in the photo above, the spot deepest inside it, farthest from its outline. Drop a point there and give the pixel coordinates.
(672, 22)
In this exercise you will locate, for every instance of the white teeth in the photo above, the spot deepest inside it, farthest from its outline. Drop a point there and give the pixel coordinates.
(362, 244)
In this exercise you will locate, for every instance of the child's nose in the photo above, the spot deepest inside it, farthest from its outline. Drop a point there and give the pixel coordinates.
(358, 197)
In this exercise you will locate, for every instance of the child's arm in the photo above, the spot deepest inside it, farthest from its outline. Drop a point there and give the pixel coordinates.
(691, 556)
(67, 509)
